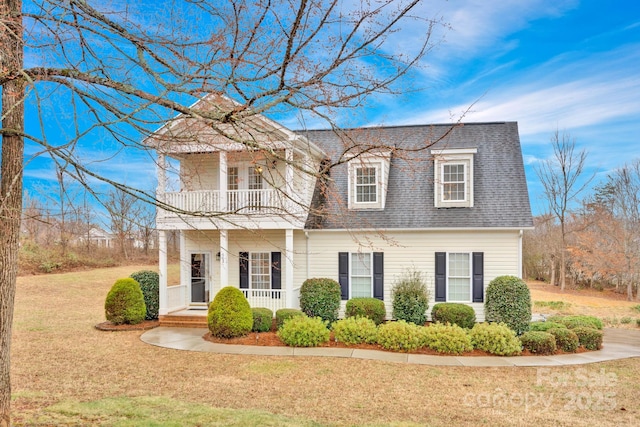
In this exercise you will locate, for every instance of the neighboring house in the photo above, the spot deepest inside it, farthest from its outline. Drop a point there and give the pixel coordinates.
(454, 210)
(98, 237)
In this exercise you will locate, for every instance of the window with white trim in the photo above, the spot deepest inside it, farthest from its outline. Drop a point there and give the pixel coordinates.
(453, 168)
(361, 275)
(367, 184)
(459, 277)
(260, 270)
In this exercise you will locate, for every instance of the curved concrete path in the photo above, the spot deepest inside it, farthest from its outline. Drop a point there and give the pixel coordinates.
(618, 344)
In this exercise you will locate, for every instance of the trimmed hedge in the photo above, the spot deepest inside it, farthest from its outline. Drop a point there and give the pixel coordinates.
(125, 303)
(449, 339)
(539, 342)
(355, 330)
(410, 298)
(150, 285)
(320, 298)
(508, 301)
(454, 313)
(303, 331)
(545, 326)
(566, 339)
(371, 308)
(262, 319)
(285, 314)
(229, 314)
(575, 321)
(495, 338)
(590, 338)
(401, 336)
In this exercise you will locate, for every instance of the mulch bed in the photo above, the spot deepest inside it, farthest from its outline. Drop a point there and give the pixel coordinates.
(143, 326)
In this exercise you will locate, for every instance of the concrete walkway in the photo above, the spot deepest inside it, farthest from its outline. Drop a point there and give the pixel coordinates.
(618, 344)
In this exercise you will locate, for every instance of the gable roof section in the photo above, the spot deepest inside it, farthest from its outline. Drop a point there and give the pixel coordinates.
(501, 199)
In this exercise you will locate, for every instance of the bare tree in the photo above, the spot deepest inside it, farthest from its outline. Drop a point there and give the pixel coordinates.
(119, 76)
(124, 210)
(562, 180)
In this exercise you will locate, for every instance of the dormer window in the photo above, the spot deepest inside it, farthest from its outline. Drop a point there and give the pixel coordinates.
(368, 180)
(453, 177)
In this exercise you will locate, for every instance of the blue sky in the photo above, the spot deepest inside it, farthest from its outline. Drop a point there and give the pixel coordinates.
(564, 64)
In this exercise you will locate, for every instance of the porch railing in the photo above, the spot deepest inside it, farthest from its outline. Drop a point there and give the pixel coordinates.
(266, 201)
(176, 297)
(273, 299)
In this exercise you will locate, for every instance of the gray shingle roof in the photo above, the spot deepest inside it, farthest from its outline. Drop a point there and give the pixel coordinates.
(500, 188)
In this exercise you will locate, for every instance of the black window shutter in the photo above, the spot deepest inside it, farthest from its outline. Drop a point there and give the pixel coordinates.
(441, 276)
(244, 270)
(378, 275)
(343, 274)
(478, 277)
(276, 270)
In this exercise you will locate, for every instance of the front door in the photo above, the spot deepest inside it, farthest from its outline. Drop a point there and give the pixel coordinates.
(199, 278)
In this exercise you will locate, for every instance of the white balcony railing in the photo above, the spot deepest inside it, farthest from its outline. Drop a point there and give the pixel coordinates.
(244, 202)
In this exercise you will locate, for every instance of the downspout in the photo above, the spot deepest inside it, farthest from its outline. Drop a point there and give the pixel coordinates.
(306, 234)
(520, 254)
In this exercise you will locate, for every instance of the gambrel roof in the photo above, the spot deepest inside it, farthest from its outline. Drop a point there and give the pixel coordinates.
(500, 192)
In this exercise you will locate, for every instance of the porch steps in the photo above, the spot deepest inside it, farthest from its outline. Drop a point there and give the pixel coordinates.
(180, 321)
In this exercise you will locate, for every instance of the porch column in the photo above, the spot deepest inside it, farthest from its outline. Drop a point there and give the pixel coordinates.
(288, 179)
(224, 260)
(162, 182)
(288, 268)
(162, 267)
(223, 186)
(185, 268)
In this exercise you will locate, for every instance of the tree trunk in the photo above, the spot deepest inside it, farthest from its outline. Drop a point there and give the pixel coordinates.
(10, 185)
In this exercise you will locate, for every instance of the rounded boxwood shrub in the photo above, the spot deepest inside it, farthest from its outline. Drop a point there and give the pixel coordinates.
(566, 339)
(454, 313)
(229, 314)
(575, 321)
(410, 298)
(539, 342)
(508, 301)
(150, 285)
(125, 303)
(449, 339)
(401, 336)
(355, 330)
(262, 319)
(303, 331)
(285, 314)
(495, 338)
(371, 308)
(590, 338)
(320, 298)
(545, 326)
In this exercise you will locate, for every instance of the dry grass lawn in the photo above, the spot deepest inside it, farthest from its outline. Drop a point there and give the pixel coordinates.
(65, 372)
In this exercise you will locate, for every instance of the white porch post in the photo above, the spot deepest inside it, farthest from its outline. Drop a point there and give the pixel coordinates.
(288, 268)
(224, 259)
(222, 179)
(162, 267)
(288, 175)
(185, 268)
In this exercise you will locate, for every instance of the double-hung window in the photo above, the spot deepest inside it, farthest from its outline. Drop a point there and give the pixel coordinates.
(459, 277)
(454, 182)
(367, 180)
(453, 186)
(366, 185)
(361, 275)
(260, 268)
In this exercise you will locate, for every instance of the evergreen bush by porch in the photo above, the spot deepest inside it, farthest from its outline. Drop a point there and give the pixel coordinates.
(448, 339)
(125, 303)
(454, 313)
(371, 308)
(545, 326)
(287, 313)
(149, 284)
(575, 321)
(566, 339)
(355, 330)
(303, 331)
(508, 301)
(410, 298)
(539, 342)
(401, 336)
(229, 314)
(320, 297)
(590, 338)
(495, 338)
(262, 319)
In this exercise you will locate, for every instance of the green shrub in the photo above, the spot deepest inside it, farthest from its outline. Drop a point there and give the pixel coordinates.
(566, 339)
(125, 303)
(410, 298)
(371, 308)
(575, 321)
(262, 319)
(545, 326)
(149, 284)
(303, 331)
(508, 301)
(590, 338)
(401, 336)
(539, 342)
(320, 298)
(626, 320)
(229, 314)
(555, 305)
(495, 338)
(449, 339)
(636, 308)
(285, 314)
(454, 313)
(355, 330)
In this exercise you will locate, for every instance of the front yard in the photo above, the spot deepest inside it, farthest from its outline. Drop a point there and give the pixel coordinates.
(66, 372)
